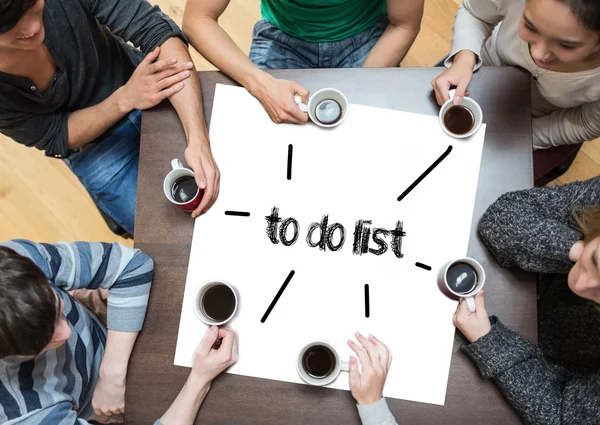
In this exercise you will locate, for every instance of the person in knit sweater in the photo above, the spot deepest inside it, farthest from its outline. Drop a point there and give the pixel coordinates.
(554, 231)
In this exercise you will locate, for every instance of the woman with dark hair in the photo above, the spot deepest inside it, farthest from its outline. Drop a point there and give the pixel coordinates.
(555, 232)
(71, 86)
(556, 41)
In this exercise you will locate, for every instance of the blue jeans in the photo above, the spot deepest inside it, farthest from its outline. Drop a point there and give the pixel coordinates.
(273, 49)
(108, 168)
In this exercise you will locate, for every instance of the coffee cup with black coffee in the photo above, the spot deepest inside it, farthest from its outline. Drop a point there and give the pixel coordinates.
(319, 364)
(326, 107)
(460, 121)
(462, 278)
(180, 187)
(216, 303)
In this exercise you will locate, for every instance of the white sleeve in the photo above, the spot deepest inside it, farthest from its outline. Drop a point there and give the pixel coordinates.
(567, 126)
(377, 413)
(473, 25)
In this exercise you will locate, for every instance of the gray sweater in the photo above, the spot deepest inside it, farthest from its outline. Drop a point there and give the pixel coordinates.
(558, 381)
(87, 40)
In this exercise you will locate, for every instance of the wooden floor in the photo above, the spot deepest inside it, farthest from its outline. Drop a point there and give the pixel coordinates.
(41, 200)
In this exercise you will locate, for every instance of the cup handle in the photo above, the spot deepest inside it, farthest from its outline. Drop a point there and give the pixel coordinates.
(451, 93)
(344, 366)
(470, 304)
(175, 164)
(298, 100)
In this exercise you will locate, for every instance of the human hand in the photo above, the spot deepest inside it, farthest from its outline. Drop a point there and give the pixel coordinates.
(375, 360)
(277, 97)
(199, 157)
(576, 251)
(109, 395)
(458, 75)
(208, 362)
(472, 325)
(153, 81)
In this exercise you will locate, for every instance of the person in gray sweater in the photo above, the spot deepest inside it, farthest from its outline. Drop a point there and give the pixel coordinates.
(554, 231)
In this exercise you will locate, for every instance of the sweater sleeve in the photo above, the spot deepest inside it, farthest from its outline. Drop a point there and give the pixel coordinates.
(567, 126)
(543, 393)
(534, 229)
(126, 273)
(473, 25)
(47, 132)
(59, 414)
(377, 413)
(137, 21)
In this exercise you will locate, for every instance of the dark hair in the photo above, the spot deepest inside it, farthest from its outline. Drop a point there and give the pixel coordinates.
(11, 12)
(587, 11)
(28, 307)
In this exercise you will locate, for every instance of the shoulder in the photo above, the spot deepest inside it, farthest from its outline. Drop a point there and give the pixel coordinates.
(507, 6)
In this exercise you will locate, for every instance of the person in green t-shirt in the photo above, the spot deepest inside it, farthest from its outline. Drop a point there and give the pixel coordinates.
(304, 34)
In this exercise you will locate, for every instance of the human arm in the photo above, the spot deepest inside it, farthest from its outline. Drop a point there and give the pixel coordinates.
(405, 24)
(207, 364)
(59, 132)
(188, 104)
(567, 126)
(126, 273)
(146, 27)
(534, 229)
(200, 24)
(151, 82)
(543, 393)
(109, 394)
(473, 25)
(366, 383)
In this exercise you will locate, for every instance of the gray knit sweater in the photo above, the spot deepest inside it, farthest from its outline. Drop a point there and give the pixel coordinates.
(557, 382)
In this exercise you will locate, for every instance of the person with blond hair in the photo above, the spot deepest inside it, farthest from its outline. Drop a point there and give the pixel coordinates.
(554, 231)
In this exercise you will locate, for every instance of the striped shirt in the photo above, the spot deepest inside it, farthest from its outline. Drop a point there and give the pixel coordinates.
(56, 387)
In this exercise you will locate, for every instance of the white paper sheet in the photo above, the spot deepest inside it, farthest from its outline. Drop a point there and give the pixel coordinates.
(352, 172)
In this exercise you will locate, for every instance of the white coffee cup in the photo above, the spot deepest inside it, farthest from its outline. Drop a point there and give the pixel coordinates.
(316, 98)
(199, 300)
(337, 368)
(468, 103)
(470, 295)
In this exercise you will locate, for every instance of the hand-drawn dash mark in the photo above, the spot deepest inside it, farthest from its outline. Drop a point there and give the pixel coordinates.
(238, 213)
(422, 176)
(367, 305)
(423, 266)
(289, 162)
(285, 284)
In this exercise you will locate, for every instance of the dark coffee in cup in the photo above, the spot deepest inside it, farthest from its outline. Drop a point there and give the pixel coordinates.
(461, 278)
(218, 302)
(459, 119)
(319, 361)
(328, 111)
(184, 189)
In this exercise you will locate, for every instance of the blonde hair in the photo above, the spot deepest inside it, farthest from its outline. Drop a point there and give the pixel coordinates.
(588, 222)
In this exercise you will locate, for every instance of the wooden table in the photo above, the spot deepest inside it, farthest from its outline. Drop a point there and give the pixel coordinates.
(165, 234)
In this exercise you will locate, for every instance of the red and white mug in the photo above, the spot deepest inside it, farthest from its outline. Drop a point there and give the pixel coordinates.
(178, 171)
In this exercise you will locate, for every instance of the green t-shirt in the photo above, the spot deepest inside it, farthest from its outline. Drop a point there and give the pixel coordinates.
(323, 20)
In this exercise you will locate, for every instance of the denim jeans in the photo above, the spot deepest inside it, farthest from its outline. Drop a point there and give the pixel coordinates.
(108, 168)
(273, 49)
